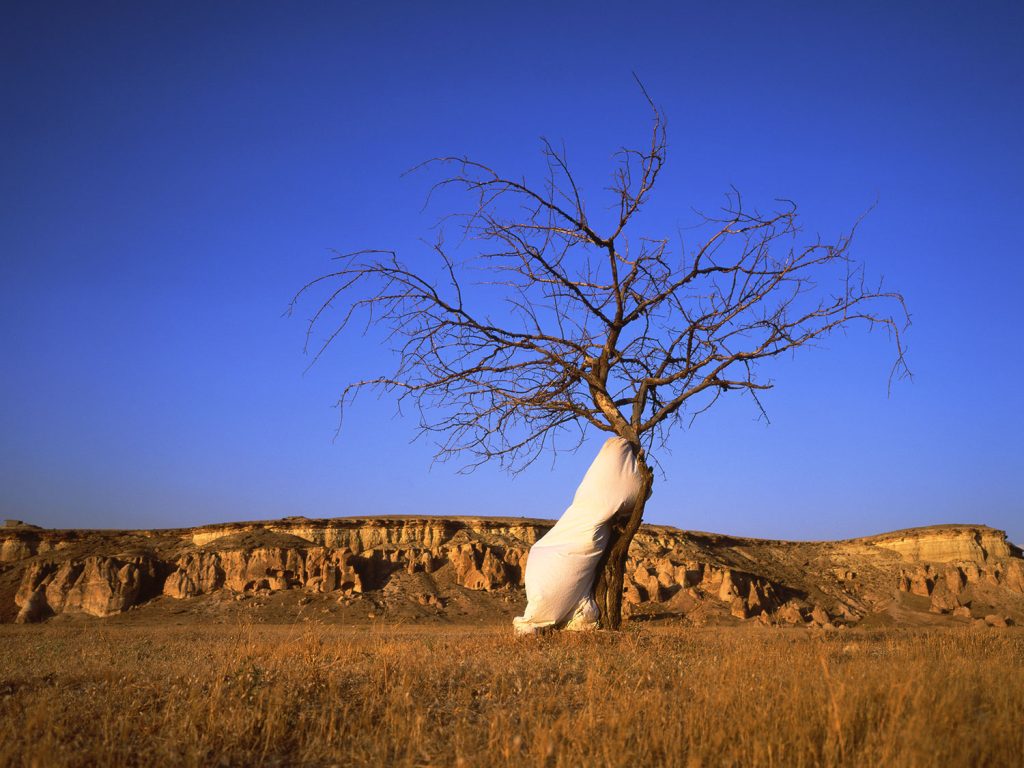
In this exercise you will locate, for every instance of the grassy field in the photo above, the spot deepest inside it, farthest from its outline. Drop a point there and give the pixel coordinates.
(100, 694)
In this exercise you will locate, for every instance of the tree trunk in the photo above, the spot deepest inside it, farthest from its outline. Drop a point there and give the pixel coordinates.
(612, 567)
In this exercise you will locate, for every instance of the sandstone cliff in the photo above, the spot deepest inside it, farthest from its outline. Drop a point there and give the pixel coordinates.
(458, 569)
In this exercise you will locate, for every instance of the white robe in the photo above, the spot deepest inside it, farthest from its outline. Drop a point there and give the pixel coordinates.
(562, 565)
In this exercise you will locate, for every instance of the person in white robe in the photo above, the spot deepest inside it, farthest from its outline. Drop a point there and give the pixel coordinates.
(561, 568)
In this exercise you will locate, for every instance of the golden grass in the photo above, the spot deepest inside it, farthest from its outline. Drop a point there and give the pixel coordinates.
(97, 694)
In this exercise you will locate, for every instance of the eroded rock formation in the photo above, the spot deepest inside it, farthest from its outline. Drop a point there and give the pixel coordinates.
(939, 573)
(98, 585)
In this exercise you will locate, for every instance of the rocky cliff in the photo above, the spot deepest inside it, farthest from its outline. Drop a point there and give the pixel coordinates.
(462, 569)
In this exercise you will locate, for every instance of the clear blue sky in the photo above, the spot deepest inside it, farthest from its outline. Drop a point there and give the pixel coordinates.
(170, 174)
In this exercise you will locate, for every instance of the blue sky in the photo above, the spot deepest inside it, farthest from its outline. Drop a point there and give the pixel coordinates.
(171, 173)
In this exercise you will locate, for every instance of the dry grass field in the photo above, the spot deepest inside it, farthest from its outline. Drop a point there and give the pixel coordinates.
(106, 694)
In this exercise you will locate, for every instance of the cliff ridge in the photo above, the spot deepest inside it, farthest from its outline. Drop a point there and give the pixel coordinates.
(451, 569)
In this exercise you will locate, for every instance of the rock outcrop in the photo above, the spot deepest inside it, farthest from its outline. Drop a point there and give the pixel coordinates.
(946, 544)
(97, 585)
(939, 573)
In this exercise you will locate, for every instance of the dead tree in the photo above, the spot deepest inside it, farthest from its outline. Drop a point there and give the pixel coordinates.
(579, 323)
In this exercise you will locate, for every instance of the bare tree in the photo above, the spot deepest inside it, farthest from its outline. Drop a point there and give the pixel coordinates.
(577, 325)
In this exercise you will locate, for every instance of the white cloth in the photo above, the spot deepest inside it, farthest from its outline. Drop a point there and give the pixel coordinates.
(561, 566)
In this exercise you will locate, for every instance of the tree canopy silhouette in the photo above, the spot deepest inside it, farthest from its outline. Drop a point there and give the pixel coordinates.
(602, 327)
